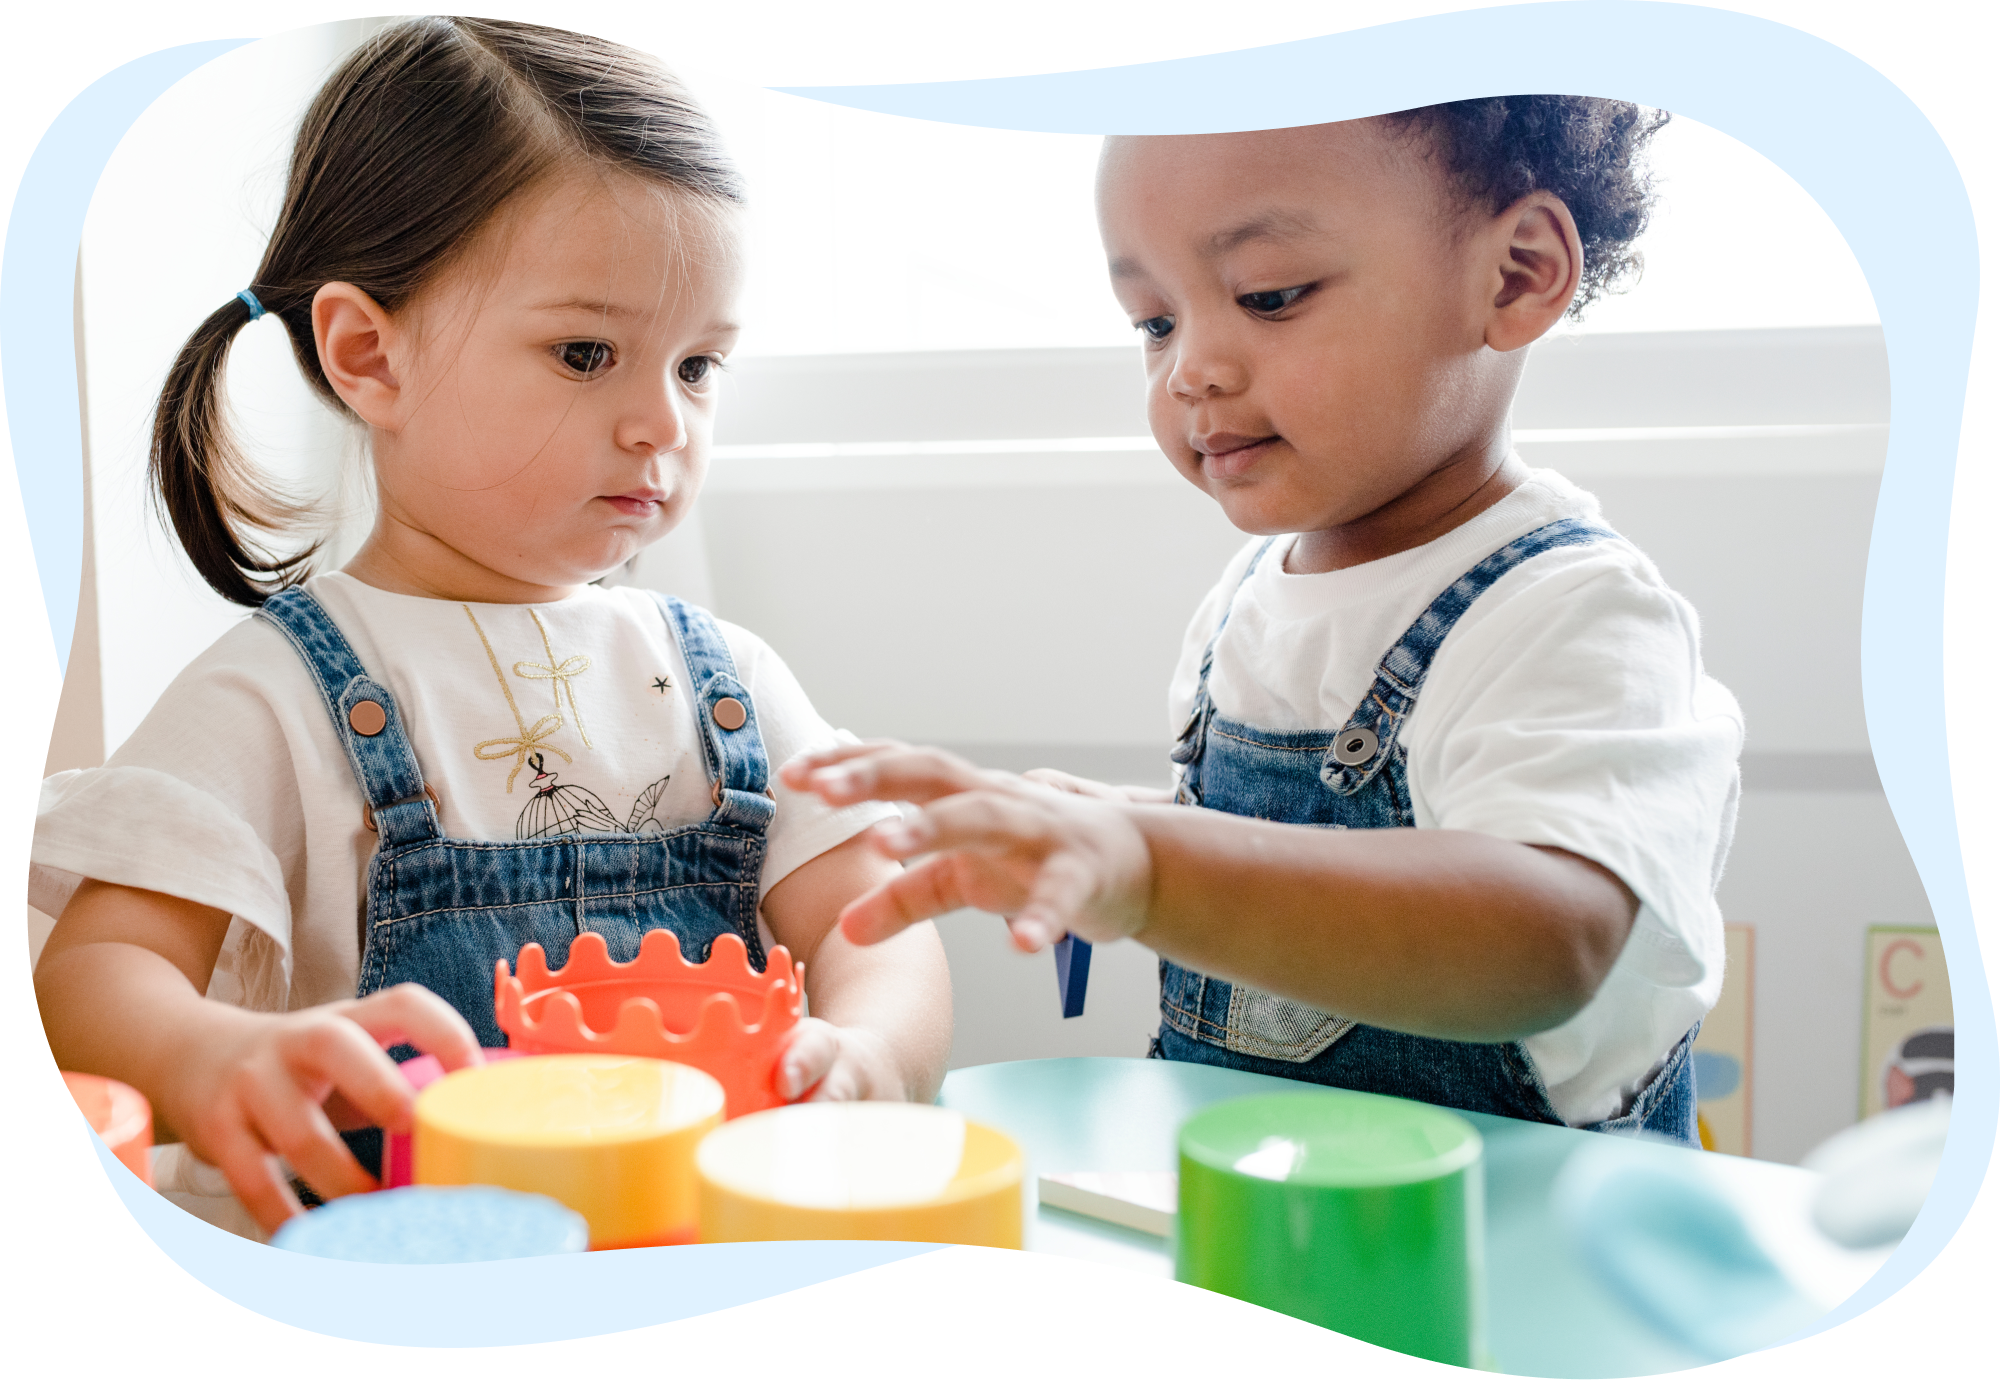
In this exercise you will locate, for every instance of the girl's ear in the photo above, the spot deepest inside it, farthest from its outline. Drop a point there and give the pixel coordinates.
(359, 348)
(1537, 264)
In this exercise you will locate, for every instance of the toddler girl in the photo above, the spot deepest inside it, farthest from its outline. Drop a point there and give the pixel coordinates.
(512, 255)
(1466, 789)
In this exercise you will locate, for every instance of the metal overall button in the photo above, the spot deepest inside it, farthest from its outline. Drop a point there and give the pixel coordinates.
(1354, 746)
(367, 718)
(729, 714)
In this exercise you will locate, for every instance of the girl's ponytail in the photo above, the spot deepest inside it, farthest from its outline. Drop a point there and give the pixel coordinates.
(406, 153)
(206, 488)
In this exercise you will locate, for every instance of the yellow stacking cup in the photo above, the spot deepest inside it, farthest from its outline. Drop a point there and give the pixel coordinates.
(860, 1171)
(612, 1138)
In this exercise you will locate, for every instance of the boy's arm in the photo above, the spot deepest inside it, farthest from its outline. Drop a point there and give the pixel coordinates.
(1445, 933)
(883, 1027)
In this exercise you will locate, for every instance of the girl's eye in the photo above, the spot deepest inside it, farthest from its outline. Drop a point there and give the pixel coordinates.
(1269, 303)
(698, 369)
(1157, 328)
(585, 356)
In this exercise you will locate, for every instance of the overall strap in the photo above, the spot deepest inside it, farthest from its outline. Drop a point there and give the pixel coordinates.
(400, 808)
(1363, 746)
(738, 772)
(1195, 732)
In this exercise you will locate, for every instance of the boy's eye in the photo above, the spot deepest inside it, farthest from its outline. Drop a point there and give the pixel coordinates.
(698, 368)
(585, 356)
(1266, 303)
(1157, 328)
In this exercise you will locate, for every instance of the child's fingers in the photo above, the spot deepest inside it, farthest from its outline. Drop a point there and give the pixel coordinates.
(412, 1014)
(252, 1171)
(809, 1053)
(1058, 900)
(1072, 785)
(295, 1126)
(794, 772)
(930, 889)
(344, 1055)
(917, 775)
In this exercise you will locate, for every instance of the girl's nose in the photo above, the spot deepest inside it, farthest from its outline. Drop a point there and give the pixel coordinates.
(654, 421)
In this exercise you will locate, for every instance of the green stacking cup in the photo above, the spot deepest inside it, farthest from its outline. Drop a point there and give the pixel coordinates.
(1357, 1212)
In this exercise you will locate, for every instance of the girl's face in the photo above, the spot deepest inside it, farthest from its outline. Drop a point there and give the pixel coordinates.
(542, 412)
(1315, 315)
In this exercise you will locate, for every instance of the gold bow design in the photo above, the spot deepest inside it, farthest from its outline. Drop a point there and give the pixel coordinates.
(561, 675)
(530, 740)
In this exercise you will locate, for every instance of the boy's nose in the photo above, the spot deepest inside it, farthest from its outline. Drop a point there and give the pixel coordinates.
(1202, 368)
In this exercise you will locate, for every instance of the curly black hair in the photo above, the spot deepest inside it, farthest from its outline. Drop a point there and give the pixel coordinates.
(1583, 149)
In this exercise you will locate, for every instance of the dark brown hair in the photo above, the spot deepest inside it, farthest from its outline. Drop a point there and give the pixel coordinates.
(407, 152)
(1583, 149)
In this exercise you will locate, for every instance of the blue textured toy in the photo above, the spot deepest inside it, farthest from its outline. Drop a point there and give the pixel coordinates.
(435, 1226)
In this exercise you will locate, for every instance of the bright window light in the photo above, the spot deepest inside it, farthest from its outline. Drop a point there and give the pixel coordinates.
(880, 233)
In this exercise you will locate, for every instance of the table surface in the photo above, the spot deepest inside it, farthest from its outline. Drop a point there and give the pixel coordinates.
(1547, 1314)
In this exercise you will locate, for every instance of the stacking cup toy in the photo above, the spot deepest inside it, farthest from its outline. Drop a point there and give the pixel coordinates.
(399, 1151)
(612, 1138)
(860, 1171)
(120, 1115)
(435, 1226)
(1359, 1213)
(720, 1016)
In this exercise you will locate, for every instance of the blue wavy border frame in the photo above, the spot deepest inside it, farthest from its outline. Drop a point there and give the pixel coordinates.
(1848, 136)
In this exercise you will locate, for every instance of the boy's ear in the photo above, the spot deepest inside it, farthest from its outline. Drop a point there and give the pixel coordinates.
(1537, 264)
(358, 344)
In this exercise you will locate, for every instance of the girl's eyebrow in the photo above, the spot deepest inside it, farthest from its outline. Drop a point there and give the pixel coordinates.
(595, 308)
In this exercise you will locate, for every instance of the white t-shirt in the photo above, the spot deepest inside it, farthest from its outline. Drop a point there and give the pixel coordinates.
(1568, 707)
(236, 792)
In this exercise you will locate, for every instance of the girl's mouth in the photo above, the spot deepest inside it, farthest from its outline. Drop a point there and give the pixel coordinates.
(641, 503)
(1226, 455)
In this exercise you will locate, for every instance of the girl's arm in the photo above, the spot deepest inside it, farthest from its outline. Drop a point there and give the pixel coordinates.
(882, 1026)
(1446, 933)
(120, 986)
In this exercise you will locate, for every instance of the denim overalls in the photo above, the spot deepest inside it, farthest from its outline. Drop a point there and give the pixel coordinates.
(1358, 779)
(441, 911)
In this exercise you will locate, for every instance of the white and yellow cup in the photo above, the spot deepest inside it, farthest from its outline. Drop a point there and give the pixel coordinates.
(860, 1171)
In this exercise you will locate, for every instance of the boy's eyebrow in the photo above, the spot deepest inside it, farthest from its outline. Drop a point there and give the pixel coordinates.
(1270, 225)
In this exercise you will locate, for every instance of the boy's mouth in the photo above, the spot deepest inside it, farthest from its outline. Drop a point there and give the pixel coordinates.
(1225, 454)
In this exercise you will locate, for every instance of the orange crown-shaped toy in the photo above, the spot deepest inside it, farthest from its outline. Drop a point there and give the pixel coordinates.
(720, 1016)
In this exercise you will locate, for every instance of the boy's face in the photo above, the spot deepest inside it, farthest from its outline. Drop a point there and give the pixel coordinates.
(1315, 330)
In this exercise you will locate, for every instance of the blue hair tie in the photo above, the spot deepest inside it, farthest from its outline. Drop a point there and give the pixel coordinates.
(249, 299)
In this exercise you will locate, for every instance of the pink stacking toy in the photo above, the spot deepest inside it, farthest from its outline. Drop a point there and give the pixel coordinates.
(397, 1155)
(720, 1016)
(121, 1115)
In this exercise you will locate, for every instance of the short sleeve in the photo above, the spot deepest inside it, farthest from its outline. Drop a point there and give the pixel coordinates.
(805, 826)
(201, 802)
(1577, 716)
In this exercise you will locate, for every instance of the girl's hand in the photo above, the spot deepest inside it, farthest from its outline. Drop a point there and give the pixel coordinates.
(1051, 860)
(255, 1086)
(824, 1062)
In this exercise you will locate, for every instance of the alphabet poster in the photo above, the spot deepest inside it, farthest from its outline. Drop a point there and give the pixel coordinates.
(1906, 1030)
(1722, 1050)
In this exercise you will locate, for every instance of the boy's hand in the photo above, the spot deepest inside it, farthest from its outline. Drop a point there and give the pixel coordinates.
(255, 1086)
(824, 1062)
(1051, 860)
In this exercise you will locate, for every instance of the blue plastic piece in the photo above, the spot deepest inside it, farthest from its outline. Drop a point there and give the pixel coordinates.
(1072, 974)
(418, 1225)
